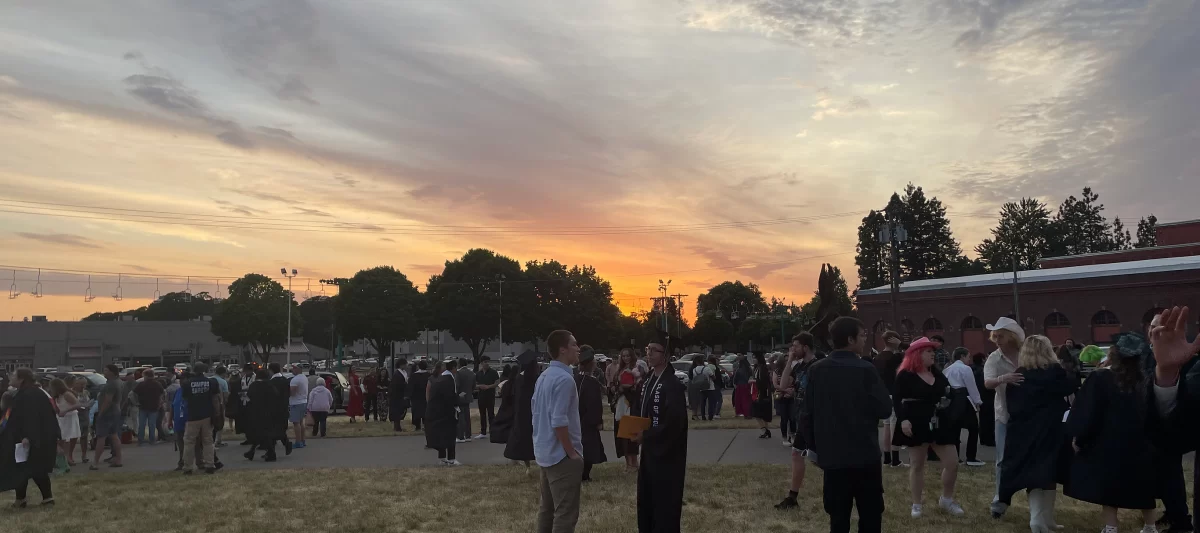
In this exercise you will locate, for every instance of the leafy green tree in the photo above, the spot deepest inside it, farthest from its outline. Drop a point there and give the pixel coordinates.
(1146, 235)
(872, 257)
(319, 319)
(172, 306)
(576, 299)
(465, 299)
(254, 316)
(380, 305)
(712, 331)
(730, 296)
(1024, 232)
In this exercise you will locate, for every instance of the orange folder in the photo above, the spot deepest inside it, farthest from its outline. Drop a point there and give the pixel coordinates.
(632, 425)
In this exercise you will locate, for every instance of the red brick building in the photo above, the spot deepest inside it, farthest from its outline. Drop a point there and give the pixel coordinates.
(1086, 298)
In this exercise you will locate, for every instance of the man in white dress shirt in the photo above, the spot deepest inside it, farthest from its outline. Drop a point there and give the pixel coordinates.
(965, 401)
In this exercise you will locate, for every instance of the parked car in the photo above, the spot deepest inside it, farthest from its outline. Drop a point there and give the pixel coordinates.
(683, 371)
(340, 391)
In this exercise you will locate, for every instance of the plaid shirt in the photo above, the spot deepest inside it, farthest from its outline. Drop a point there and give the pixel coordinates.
(942, 359)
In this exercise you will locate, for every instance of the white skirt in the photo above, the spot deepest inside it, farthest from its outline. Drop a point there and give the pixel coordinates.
(69, 425)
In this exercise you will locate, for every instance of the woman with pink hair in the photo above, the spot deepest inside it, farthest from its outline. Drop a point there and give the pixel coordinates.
(921, 394)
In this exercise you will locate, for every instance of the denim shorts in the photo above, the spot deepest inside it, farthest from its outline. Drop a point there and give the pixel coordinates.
(296, 412)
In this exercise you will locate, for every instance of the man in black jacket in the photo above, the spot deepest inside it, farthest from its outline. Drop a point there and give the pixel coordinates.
(843, 404)
(279, 418)
(664, 447)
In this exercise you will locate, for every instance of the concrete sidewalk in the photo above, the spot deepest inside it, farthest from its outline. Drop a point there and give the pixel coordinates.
(714, 446)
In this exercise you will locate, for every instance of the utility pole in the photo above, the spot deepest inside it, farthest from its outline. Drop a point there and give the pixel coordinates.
(1016, 295)
(679, 314)
(288, 345)
(500, 278)
(666, 324)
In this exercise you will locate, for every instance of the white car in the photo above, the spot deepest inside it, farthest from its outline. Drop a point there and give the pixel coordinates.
(683, 371)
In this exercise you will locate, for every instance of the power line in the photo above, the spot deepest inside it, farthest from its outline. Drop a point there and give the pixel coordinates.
(312, 226)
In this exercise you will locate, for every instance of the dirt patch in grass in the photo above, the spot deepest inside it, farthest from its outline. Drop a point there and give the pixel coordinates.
(487, 499)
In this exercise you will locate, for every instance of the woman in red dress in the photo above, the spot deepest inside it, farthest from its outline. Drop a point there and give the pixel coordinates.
(355, 408)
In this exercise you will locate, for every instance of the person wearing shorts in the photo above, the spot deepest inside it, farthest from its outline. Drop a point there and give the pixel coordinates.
(801, 357)
(298, 405)
(108, 418)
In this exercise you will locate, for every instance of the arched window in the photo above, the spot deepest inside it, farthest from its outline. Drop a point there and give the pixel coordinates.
(932, 324)
(1105, 318)
(908, 326)
(972, 322)
(1056, 319)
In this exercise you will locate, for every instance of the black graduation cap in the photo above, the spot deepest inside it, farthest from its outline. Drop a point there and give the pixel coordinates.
(527, 357)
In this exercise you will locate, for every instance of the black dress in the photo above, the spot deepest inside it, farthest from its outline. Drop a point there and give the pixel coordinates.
(762, 406)
(1036, 452)
(503, 423)
(1114, 466)
(441, 422)
(918, 402)
(520, 439)
(397, 398)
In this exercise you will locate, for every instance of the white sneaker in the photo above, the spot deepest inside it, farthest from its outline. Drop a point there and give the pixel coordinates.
(461, 441)
(976, 463)
(787, 442)
(1109, 529)
(1150, 528)
(950, 506)
(480, 436)
(453, 463)
(916, 510)
(716, 417)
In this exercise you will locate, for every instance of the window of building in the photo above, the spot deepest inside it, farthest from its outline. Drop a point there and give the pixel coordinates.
(932, 324)
(1056, 319)
(1105, 318)
(972, 322)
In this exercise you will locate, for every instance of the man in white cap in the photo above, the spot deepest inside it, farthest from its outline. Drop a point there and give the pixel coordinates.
(999, 372)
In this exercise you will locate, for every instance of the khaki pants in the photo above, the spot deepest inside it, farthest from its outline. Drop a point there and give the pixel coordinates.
(198, 429)
(561, 485)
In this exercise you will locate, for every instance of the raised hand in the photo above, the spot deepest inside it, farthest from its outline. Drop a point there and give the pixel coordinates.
(1171, 348)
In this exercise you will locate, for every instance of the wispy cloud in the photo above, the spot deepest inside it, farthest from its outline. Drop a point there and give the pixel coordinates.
(60, 239)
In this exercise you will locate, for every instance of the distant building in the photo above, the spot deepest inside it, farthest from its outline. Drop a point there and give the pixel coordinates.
(1086, 298)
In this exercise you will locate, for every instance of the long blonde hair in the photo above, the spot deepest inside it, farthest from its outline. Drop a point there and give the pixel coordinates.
(1037, 352)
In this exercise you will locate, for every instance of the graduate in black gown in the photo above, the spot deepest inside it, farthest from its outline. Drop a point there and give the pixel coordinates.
(503, 423)
(591, 410)
(417, 401)
(664, 447)
(30, 420)
(520, 439)
(443, 413)
(258, 416)
(398, 401)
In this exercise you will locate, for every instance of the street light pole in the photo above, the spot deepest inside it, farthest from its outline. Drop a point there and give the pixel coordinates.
(288, 344)
(893, 235)
(501, 348)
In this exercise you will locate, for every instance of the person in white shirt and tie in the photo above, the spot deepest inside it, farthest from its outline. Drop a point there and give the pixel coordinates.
(965, 402)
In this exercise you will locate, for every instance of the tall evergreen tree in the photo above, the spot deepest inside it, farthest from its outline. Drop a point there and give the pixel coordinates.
(872, 257)
(1120, 239)
(930, 250)
(1081, 227)
(1024, 232)
(1146, 236)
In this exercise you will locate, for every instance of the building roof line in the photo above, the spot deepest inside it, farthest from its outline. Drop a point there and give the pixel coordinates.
(1116, 252)
(1148, 266)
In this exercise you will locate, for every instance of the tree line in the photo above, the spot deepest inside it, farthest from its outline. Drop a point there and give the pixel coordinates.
(383, 306)
(1026, 232)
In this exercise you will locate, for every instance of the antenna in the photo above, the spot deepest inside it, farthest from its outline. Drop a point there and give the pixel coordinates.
(322, 290)
(13, 293)
(157, 294)
(37, 289)
(187, 291)
(119, 294)
(217, 296)
(308, 291)
(87, 295)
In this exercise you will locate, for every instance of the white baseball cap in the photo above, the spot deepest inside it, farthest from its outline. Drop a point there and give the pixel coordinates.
(1010, 325)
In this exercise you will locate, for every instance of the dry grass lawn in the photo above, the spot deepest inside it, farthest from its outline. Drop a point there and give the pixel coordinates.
(484, 499)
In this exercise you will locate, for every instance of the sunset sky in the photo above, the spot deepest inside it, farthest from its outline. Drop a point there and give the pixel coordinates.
(211, 139)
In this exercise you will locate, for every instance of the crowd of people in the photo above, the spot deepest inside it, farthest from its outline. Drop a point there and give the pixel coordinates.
(1113, 437)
